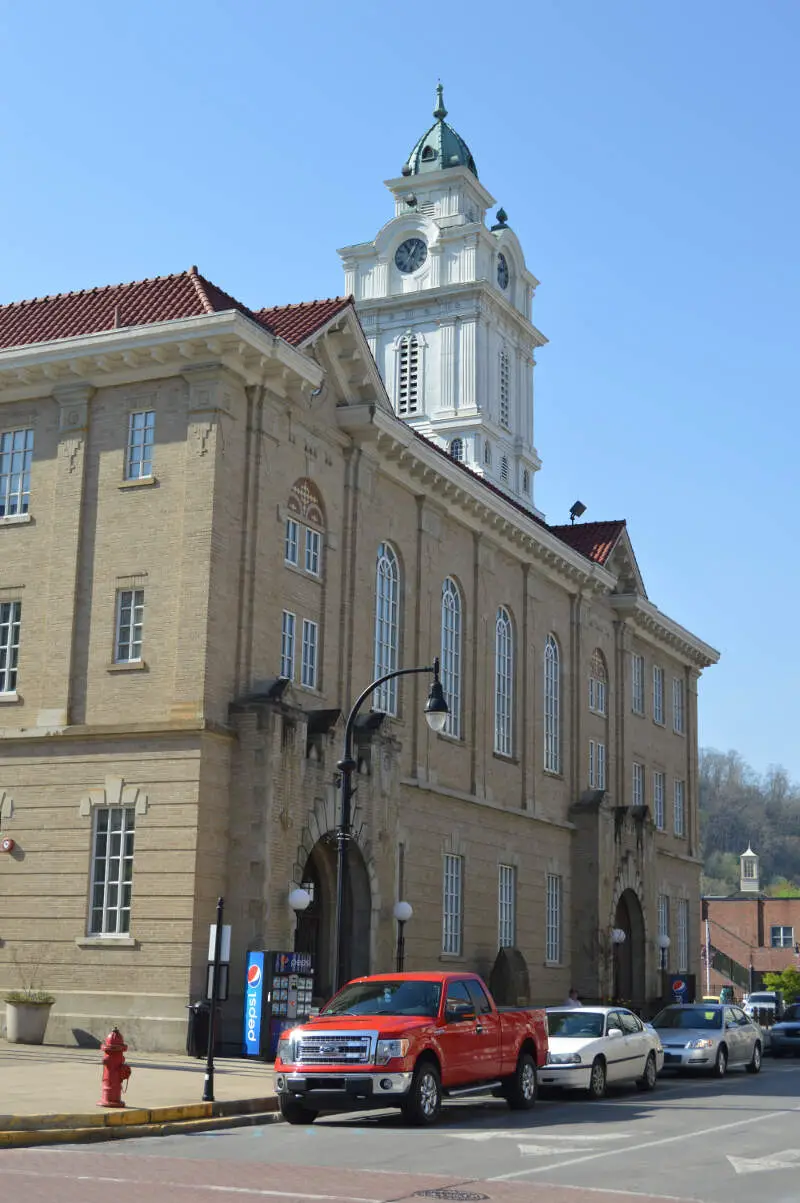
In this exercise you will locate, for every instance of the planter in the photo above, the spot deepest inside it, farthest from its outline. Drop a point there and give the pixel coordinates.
(26, 1023)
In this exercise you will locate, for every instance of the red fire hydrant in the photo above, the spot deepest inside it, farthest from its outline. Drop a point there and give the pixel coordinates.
(115, 1070)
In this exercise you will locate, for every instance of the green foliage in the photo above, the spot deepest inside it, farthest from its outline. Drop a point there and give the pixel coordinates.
(29, 972)
(788, 982)
(781, 888)
(31, 998)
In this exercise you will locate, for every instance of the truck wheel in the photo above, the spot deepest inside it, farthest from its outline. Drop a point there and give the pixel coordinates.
(294, 1112)
(648, 1078)
(422, 1104)
(597, 1079)
(520, 1089)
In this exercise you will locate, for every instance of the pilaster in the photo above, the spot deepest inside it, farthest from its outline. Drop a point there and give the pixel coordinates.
(447, 359)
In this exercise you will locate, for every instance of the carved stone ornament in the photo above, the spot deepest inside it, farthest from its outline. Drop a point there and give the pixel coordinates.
(114, 793)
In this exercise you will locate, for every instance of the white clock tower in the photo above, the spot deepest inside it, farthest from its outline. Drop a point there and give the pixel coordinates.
(445, 302)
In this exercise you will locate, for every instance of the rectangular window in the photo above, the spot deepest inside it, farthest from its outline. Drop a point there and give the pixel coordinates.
(663, 915)
(680, 808)
(506, 906)
(552, 952)
(451, 904)
(287, 645)
(139, 460)
(597, 695)
(291, 542)
(130, 621)
(637, 684)
(781, 937)
(659, 792)
(112, 871)
(682, 917)
(10, 620)
(638, 784)
(313, 542)
(16, 456)
(597, 765)
(658, 694)
(749, 869)
(678, 707)
(308, 673)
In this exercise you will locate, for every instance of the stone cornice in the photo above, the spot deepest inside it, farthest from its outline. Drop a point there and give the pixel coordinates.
(137, 353)
(655, 627)
(476, 296)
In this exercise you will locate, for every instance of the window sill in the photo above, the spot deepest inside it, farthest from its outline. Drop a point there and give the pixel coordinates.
(598, 713)
(638, 714)
(132, 666)
(15, 519)
(144, 482)
(106, 942)
(451, 956)
(306, 573)
(553, 964)
(559, 776)
(681, 733)
(450, 739)
(9, 699)
(506, 757)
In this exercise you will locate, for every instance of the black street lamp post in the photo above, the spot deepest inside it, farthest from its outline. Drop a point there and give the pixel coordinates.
(402, 913)
(436, 711)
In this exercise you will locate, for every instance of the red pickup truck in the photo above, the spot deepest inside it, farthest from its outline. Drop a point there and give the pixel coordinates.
(407, 1040)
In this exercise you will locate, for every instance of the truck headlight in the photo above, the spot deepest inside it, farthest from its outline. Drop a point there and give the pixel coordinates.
(563, 1058)
(286, 1048)
(387, 1050)
(700, 1044)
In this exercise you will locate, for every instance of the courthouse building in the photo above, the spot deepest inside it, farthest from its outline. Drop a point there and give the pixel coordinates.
(217, 526)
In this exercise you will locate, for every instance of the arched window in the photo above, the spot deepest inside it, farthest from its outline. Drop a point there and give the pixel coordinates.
(552, 706)
(408, 375)
(305, 525)
(451, 655)
(487, 452)
(598, 683)
(387, 626)
(505, 390)
(457, 450)
(526, 481)
(504, 469)
(503, 682)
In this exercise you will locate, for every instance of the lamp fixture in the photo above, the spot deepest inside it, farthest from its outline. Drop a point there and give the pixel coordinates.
(617, 935)
(299, 899)
(577, 511)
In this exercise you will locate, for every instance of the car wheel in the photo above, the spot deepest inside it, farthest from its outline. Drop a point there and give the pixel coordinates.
(648, 1078)
(721, 1063)
(754, 1064)
(521, 1088)
(294, 1112)
(597, 1079)
(422, 1104)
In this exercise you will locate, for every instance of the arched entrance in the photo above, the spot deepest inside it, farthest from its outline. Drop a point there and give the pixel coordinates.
(629, 955)
(315, 927)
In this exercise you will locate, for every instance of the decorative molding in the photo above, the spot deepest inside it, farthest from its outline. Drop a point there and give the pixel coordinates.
(114, 793)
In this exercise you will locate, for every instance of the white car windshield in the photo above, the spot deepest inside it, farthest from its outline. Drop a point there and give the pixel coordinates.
(575, 1023)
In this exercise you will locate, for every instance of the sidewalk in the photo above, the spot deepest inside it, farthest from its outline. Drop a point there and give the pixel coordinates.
(50, 1094)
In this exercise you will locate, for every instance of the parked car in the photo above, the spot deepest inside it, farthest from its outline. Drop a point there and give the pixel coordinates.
(769, 1002)
(709, 1036)
(785, 1034)
(592, 1046)
(407, 1040)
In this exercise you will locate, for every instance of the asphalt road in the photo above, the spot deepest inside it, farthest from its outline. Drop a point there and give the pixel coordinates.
(692, 1139)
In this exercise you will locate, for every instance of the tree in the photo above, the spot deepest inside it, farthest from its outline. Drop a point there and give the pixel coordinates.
(788, 982)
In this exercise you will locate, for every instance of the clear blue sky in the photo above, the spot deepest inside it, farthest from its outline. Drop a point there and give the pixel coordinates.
(647, 155)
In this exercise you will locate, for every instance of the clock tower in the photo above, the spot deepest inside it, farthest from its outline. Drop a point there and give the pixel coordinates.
(445, 302)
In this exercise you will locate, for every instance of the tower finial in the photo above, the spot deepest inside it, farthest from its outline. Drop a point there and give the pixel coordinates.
(440, 112)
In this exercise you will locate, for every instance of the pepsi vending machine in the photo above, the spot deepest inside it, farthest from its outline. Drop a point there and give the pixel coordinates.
(277, 995)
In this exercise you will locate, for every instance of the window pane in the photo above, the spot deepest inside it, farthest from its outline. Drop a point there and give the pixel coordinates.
(451, 905)
(291, 540)
(287, 645)
(16, 457)
(308, 675)
(387, 598)
(451, 655)
(141, 432)
(10, 622)
(552, 707)
(506, 906)
(112, 873)
(553, 920)
(504, 682)
(130, 623)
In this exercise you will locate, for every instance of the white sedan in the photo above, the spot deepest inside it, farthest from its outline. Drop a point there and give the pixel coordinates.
(593, 1046)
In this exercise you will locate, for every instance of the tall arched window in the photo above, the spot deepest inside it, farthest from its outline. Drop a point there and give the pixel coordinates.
(526, 481)
(408, 375)
(503, 682)
(598, 683)
(451, 655)
(387, 626)
(457, 450)
(505, 391)
(552, 706)
(487, 452)
(305, 527)
(504, 469)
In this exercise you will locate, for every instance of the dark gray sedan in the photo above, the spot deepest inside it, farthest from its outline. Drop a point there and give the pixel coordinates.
(785, 1035)
(709, 1036)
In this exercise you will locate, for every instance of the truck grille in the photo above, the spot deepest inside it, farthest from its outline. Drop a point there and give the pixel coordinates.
(334, 1050)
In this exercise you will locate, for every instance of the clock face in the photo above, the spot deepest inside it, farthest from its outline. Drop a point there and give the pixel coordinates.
(411, 254)
(502, 271)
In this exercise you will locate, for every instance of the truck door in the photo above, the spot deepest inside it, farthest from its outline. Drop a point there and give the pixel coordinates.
(489, 1029)
(458, 1037)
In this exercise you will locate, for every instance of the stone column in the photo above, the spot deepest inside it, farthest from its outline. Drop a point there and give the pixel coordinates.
(62, 582)
(447, 360)
(466, 356)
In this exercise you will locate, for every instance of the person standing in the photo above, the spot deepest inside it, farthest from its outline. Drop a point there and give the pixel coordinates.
(572, 999)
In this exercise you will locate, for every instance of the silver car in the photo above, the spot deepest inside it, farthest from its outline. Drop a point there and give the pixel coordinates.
(709, 1036)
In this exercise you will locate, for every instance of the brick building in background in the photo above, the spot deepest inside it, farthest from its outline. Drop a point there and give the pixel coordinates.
(749, 933)
(217, 526)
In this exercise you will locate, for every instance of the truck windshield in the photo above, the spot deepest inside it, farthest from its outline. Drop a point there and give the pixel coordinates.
(386, 998)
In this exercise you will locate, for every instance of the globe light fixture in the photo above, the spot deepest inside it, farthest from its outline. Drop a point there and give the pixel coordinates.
(299, 900)
(617, 935)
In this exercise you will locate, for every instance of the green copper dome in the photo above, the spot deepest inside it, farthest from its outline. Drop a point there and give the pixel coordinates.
(440, 147)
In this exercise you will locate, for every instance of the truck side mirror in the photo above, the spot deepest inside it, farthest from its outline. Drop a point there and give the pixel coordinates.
(457, 1012)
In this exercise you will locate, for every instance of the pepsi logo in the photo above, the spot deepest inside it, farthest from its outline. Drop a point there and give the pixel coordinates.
(253, 975)
(678, 985)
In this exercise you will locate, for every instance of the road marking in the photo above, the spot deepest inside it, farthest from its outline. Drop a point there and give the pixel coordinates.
(647, 1144)
(545, 1150)
(514, 1134)
(787, 1160)
(231, 1190)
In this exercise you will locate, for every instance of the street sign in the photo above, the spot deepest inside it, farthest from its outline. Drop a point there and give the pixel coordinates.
(225, 949)
(222, 982)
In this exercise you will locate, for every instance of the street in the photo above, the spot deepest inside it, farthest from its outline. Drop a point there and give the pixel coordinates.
(693, 1139)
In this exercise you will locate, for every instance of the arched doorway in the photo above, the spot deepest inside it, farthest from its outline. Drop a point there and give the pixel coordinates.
(629, 955)
(315, 927)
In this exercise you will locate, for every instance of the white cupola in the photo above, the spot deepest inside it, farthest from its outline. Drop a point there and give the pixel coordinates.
(749, 876)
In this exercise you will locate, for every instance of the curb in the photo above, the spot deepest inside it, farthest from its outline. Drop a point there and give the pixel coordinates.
(26, 1130)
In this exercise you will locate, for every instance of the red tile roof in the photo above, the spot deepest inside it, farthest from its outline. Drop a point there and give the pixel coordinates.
(144, 302)
(296, 323)
(595, 540)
